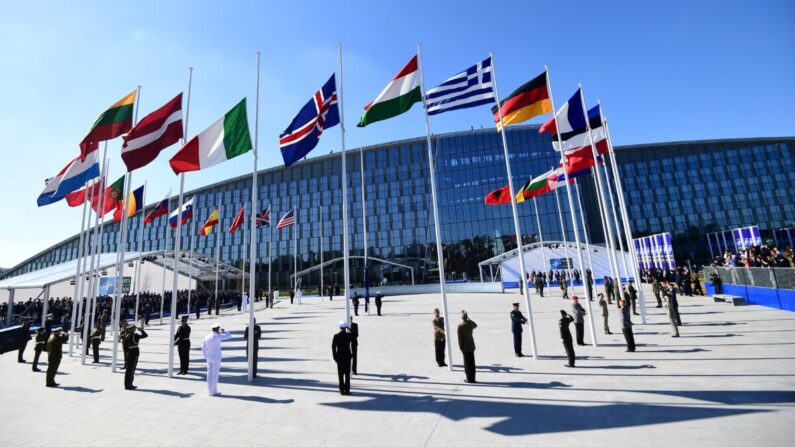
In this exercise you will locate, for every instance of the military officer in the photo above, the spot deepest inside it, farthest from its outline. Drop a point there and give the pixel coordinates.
(517, 320)
(132, 338)
(182, 341)
(54, 354)
(565, 336)
(41, 340)
(353, 328)
(342, 354)
(257, 336)
(438, 337)
(96, 338)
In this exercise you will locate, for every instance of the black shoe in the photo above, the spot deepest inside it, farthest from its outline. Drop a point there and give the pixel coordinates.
(568, 366)
(520, 355)
(675, 336)
(630, 350)
(21, 361)
(52, 385)
(36, 370)
(635, 313)
(580, 344)
(130, 387)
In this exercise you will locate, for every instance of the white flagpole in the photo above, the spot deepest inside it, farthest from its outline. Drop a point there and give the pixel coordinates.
(165, 249)
(570, 265)
(364, 225)
(217, 254)
(178, 240)
(540, 236)
(99, 252)
(140, 255)
(516, 226)
(86, 254)
(625, 217)
(78, 283)
(344, 181)
(573, 219)
(252, 281)
(322, 222)
(90, 307)
(294, 231)
(270, 250)
(437, 226)
(190, 265)
(615, 216)
(585, 231)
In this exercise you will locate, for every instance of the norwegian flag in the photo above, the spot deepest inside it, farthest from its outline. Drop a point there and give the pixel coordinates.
(264, 218)
(317, 115)
(286, 220)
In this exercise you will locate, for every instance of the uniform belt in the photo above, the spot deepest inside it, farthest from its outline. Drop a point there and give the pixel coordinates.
(132, 347)
(98, 337)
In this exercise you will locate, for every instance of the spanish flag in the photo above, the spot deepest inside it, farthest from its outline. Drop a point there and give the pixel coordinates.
(133, 204)
(212, 221)
(526, 102)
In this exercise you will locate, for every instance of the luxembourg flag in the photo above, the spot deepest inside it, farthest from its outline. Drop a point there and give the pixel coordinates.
(187, 214)
(71, 178)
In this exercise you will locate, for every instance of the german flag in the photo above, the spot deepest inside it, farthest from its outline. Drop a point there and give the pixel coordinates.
(114, 121)
(526, 102)
(212, 221)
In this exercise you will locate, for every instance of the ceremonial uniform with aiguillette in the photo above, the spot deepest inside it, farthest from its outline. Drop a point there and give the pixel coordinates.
(132, 338)
(182, 341)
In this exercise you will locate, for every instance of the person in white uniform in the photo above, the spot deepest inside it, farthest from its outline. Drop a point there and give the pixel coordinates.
(300, 295)
(211, 349)
(245, 302)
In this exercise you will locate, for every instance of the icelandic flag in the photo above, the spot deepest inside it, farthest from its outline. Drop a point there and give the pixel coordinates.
(303, 133)
(187, 214)
(71, 178)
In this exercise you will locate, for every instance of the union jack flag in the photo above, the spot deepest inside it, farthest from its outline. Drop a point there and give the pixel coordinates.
(303, 133)
(286, 220)
(264, 218)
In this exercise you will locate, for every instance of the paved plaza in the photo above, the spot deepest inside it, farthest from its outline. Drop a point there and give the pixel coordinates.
(729, 380)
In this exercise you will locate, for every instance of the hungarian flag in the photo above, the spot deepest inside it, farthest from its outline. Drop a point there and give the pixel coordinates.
(499, 196)
(225, 139)
(238, 221)
(111, 123)
(155, 132)
(211, 222)
(161, 209)
(526, 102)
(398, 96)
(534, 187)
(135, 202)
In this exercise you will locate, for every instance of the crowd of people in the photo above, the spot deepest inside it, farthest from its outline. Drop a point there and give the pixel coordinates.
(761, 256)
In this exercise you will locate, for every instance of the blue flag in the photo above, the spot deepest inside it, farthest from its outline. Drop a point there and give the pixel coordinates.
(303, 133)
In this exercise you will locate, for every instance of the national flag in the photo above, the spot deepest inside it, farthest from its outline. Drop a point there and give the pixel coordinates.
(238, 220)
(71, 178)
(470, 88)
(77, 198)
(223, 140)
(578, 165)
(114, 121)
(573, 130)
(397, 97)
(264, 218)
(111, 198)
(534, 187)
(161, 209)
(317, 115)
(211, 222)
(155, 132)
(185, 214)
(526, 102)
(287, 220)
(499, 196)
(135, 202)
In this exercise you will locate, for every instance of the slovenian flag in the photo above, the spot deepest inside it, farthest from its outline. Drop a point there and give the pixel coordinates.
(71, 178)
(186, 213)
(161, 209)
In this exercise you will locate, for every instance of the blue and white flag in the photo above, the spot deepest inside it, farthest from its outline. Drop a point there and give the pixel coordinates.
(472, 87)
(72, 177)
(303, 133)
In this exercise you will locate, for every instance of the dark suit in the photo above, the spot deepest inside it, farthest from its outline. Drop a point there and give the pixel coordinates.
(517, 320)
(378, 300)
(439, 340)
(626, 328)
(342, 354)
(579, 323)
(182, 340)
(354, 331)
(257, 336)
(565, 337)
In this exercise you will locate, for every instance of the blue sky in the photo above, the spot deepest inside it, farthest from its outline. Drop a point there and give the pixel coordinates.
(665, 71)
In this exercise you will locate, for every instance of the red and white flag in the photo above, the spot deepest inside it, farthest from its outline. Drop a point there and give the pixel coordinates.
(286, 220)
(157, 131)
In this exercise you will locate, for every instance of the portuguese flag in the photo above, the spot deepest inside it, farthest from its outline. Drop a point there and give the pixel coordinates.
(223, 140)
(113, 197)
(110, 124)
(398, 96)
(534, 187)
(211, 222)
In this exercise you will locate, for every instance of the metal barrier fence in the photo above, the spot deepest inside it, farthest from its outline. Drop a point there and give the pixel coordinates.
(773, 278)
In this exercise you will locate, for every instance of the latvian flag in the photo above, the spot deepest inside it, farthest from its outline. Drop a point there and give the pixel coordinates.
(157, 131)
(286, 220)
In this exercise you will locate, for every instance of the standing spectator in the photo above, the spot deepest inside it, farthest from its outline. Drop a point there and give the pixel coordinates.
(342, 354)
(579, 322)
(356, 303)
(605, 313)
(439, 337)
(633, 295)
(466, 342)
(379, 297)
(211, 350)
(655, 287)
(626, 326)
(540, 285)
(565, 336)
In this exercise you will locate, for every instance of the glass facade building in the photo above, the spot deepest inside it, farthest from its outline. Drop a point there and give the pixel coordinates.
(687, 188)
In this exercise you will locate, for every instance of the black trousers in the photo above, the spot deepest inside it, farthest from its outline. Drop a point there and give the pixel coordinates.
(95, 349)
(198, 312)
(130, 363)
(569, 347)
(378, 306)
(607, 327)
(517, 343)
(20, 356)
(355, 352)
(439, 348)
(344, 374)
(580, 330)
(630, 338)
(184, 357)
(36, 355)
(633, 300)
(356, 308)
(52, 369)
(657, 297)
(469, 365)
(256, 356)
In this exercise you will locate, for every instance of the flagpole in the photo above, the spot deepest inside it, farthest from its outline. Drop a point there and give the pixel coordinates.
(217, 254)
(516, 226)
(89, 267)
(178, 239)
(294, 230)
(90, 308)
(540, 236)
(270, 253)
(322, 222)
(252, 281)
(77, 274)
(121, 249)
(437, 226)
(615, 218)
(165, 250)
(364, 226)
(190, 265)
(585, 232)
(86, 255)
(344, 181)
(140, 254)
(571, 207)
(569, 265)
(99, 252)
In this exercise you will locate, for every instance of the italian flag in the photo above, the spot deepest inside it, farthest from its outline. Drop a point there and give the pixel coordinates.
(398, 96)
(534, 187)
(225, 139)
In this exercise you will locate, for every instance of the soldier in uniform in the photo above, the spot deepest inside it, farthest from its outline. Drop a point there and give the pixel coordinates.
(54, 354)
(182, 341)
(564, 287)
(517, 320)
(378, 301)
(211, 350)
(356, 303)
(353, 328)
(123, 337)
(132, 338)
(605, 313)
(96, 338)
(438, 337)
(633, 295)
(655, 287)
(609, 289)
(626, 326)
(26, 326)
(41, 340)
(210, 304)
(565, 336)
(257, 336)
(466, 342)
(342, 354)
(579, 323)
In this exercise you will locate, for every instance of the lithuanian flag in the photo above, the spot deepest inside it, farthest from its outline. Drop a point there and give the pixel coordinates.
(114, 121)
(526, 102)
(212, 221)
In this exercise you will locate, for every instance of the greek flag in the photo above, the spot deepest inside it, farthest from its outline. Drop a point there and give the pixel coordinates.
(472, 87)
